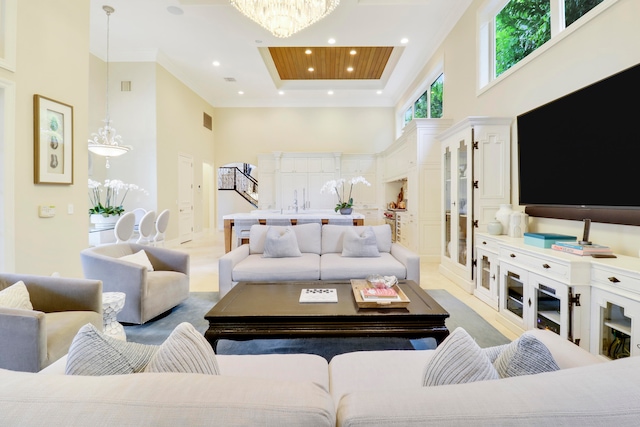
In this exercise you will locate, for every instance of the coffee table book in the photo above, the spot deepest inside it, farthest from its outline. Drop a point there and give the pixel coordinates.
(357, 285)
(545, 240)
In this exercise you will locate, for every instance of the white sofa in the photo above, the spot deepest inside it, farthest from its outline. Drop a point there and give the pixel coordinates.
(372, 388)
(321, 247)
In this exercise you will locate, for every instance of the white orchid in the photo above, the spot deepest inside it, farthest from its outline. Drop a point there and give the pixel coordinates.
(114, 188)
(336, 186)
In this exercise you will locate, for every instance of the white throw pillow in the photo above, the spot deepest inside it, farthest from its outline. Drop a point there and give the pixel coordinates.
(457, 360)
(281, 242)
(359, 245)
(139, 258)
(185, 350)
(525, 356)
(94, 353)
(16, 296)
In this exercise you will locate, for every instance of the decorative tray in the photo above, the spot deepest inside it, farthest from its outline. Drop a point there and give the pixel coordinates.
(359, 284)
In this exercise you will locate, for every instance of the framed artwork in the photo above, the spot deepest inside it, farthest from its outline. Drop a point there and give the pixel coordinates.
(53, 141)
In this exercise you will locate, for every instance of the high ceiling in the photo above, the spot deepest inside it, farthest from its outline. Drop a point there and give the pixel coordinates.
(188, 36)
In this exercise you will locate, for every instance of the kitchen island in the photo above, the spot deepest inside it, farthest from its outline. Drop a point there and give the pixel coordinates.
(262, 215)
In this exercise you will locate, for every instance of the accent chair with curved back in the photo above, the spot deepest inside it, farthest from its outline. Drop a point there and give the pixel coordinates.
(124, 227)
(139, 213)
(162, 222)
(147, 228)
(154, 279)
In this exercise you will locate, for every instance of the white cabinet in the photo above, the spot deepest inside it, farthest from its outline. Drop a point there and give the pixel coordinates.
(475, 155)
(354, 165)
(615, 307)
(415, 158)
(487, 271)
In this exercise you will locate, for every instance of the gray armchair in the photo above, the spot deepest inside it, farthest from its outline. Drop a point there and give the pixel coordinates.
(149, 293)
(32, 340)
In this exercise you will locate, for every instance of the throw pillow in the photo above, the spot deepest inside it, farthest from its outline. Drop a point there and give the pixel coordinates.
(281, 242)
(458, 359)
(525, 356)
(139, 258)
(359, 245)
(493, 352)
(185, 350)
(16, 296)
(94, 353)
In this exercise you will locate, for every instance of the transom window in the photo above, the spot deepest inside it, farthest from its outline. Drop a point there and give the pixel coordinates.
(429, 104)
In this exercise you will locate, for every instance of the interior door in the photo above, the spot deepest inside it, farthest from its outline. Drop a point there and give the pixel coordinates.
(185, 198)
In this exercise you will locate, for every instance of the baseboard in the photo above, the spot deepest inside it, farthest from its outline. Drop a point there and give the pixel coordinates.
(509, 324)
(466, 285)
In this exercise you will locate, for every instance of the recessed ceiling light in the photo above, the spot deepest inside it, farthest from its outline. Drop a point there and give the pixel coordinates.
(308, 51)
(240, 92)
(404, 40)
(332, 41)
(349, 69)
(310, 68)
(379, 92)
(330, 92)
(216, 63)
(280, 92)
(353, 52)
(175, 10)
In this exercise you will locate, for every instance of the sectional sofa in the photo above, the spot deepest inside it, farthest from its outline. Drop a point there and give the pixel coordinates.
(369, 388)
(323, 255)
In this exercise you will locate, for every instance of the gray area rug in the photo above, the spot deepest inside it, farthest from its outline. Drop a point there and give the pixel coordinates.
(199, 303)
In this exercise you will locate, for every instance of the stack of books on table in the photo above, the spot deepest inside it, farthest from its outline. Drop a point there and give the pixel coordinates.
(584, 250)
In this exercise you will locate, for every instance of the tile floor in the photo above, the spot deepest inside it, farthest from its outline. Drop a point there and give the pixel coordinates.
(207, 247)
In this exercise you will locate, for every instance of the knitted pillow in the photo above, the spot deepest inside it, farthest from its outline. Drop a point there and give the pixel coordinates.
(185, 350)
(281, 242)
(458, 359)
(359, 245)
(94, 353)
(493, 352)
(16, 296)
(525, 356)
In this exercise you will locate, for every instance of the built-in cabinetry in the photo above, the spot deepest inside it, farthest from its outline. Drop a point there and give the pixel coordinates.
(354, 165)
(413, 160)
(615, 307)
(487, 273)
(475, 157)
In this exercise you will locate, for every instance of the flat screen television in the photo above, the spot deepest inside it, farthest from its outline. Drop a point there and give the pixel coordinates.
(582, 151)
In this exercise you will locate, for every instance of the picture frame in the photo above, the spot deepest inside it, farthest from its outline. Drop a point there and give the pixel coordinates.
(53, 141)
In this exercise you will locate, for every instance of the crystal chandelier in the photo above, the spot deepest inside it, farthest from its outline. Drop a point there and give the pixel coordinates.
(106, 142)
(285, 17)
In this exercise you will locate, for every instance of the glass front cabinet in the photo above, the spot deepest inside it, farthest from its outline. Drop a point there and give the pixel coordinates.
(529, 300)
(487, 268)
(614, 333)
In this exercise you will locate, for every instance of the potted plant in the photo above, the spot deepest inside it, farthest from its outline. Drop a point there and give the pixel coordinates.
(106, 210)
(336, 186)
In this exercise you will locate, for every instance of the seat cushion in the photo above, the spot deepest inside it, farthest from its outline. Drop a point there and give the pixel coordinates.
(255, 268)
(333, 266)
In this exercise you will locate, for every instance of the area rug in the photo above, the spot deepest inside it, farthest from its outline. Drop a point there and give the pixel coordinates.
(199, 303)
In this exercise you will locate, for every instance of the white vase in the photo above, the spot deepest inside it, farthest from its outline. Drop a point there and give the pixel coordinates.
(504, 216)
(103, 222)
(494, 227)
(519, 224)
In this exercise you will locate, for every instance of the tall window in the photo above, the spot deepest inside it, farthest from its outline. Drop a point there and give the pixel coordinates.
(429, 104)
(512, 30)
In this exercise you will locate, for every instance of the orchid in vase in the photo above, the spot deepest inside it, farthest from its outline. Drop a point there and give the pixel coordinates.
(337, 187)
(114, 192)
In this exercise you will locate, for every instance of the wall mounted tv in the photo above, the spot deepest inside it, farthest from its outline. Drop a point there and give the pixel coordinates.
(579, 155)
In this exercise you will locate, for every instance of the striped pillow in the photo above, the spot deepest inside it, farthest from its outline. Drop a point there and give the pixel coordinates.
(458, 359)
(16, 296)
(185, 350)
(94, 353)
(525, 356)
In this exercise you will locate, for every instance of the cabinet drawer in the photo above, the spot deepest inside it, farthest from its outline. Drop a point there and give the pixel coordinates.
(615, 279)
(537, 265)
(487, 244)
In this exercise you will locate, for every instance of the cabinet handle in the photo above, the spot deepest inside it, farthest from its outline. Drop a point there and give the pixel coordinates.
(546, 266)
(484, 243)
(613, 279)
(512, 255)
(494, 278)
(529, 302)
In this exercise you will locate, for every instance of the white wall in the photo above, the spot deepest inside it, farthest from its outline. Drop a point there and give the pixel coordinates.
(608, 43)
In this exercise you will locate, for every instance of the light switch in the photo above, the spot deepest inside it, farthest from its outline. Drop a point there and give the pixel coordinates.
(46, 211)
(70, 208)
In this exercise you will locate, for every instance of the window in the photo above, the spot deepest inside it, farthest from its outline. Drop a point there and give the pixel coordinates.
(429, 104)
(511, 30)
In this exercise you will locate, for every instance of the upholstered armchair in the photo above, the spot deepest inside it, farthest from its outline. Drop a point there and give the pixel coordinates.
(31, 340)
(152, 289)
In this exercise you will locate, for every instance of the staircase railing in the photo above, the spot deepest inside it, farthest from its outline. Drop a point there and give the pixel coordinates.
(232, 178)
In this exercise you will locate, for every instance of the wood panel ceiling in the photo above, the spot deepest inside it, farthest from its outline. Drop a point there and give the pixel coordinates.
(330, 63)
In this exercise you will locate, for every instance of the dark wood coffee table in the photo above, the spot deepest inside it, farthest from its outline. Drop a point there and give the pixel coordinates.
(271, 310)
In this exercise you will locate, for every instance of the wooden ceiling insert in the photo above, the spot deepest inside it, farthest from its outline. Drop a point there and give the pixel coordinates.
(330, 63)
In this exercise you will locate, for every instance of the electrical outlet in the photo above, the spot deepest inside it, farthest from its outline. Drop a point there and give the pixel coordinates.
(46, 211)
